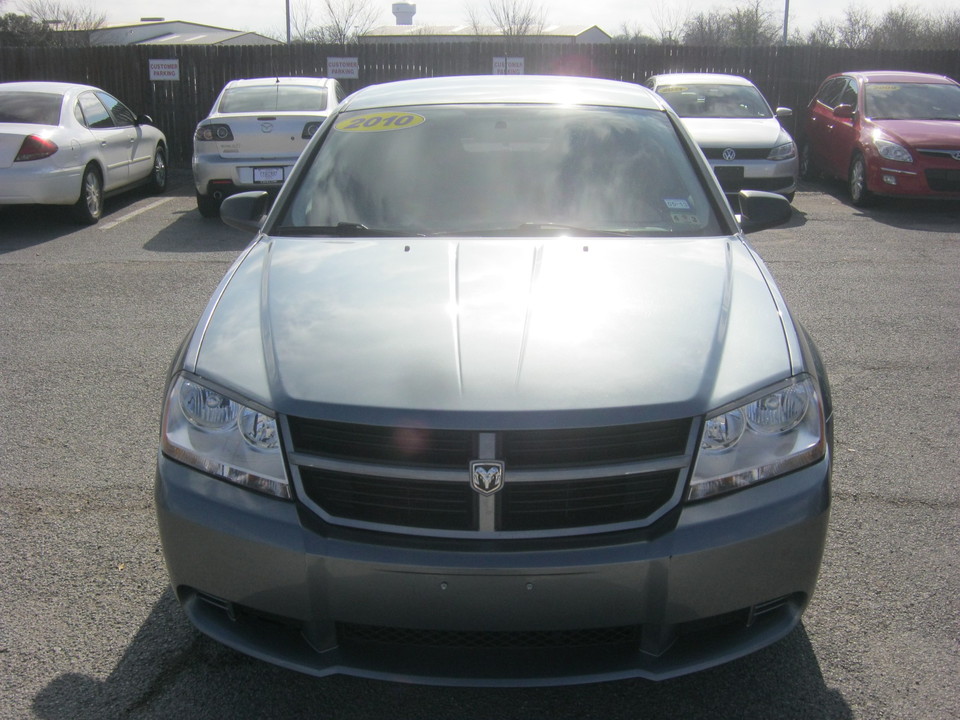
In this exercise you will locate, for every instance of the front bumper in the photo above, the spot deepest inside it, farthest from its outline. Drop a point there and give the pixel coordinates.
(927, 179)
(778, 176)
(733, 576)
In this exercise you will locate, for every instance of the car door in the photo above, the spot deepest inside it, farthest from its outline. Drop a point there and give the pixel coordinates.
(841, 131)
(113, 145)
(143, 146)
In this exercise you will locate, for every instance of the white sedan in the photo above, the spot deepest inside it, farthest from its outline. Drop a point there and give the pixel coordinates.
(67, 144)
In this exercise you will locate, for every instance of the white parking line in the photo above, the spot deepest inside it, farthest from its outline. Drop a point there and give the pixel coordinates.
(131, 215)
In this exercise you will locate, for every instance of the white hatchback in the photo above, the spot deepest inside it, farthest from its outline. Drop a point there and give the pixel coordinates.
(68, 144)
(255, 132)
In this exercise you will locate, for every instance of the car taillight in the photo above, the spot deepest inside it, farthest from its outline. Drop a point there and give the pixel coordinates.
(214, 132)
(35, 147)
(310, 129)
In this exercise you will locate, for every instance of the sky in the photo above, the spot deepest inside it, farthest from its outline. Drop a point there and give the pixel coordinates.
(269, 16)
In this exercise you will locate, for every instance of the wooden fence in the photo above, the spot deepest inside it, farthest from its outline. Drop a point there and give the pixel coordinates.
(788, 76)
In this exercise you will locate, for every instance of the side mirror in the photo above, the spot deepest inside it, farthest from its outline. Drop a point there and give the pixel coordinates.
(760, 210)
(783, 112)
(245, 211)
(145, 120)
(843, 111)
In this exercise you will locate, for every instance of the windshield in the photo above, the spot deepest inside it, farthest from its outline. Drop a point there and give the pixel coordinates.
(912, 101)
(273, 98)
(501, 170)
(716, 101)
(33, 108)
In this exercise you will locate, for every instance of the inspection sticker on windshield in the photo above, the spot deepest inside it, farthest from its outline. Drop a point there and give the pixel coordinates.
(678, 204)
(379, 122)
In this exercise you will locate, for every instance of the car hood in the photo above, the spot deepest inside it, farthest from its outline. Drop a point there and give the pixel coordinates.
(673, 326)
(934, 134)
(735, 133)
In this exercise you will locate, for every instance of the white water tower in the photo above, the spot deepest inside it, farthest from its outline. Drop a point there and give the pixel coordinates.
(404, 12)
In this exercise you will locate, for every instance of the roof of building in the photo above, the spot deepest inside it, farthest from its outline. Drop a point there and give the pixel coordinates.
(473, 31)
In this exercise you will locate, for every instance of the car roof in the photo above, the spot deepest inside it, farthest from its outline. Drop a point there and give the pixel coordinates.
(896, 76)
(534, 89)
(45, 86)
(254, 82)
(702, 78)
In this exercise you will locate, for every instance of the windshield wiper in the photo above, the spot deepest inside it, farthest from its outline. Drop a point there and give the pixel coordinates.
(343, 229)
(548, 228)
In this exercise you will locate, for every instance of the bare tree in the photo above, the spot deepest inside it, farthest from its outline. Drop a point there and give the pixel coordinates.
(669, 20)
(343, 21)
(63, 16)
(823, 34)
(856, 30)
(706, 28)
(516, 18)
(751, 25)
(634, 34)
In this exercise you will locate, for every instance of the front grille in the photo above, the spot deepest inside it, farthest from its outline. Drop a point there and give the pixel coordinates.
(545, 505)
(742, 153)
(943, 180)
(480, 640)
(520, 449)
(391, 501)
(554, 481)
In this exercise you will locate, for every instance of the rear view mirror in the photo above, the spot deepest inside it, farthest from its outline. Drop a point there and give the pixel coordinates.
(843, 111)
(245, 211)
(760, 210)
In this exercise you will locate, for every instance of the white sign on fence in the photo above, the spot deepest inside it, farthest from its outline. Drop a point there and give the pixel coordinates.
(508, 66)
(343, 67)
(164, 70)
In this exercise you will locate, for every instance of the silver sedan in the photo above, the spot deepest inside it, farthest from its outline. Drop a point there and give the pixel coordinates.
(255, 132)
(498, 395)
(67, 144)
(736, 129)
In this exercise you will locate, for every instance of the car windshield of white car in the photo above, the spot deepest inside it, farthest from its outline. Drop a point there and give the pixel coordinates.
(500, 170)
(913, 101)
(274, 98)
(32, 108)
(716, 101)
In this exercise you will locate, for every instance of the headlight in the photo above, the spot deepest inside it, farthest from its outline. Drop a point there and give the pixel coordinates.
(776, 433)
(892, 151)
(783, 152)
(220, 436)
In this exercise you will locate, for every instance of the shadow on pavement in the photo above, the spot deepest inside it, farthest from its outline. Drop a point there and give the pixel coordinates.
(170, 670)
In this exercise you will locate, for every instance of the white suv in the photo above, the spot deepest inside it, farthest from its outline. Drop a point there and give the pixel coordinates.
(255, 132)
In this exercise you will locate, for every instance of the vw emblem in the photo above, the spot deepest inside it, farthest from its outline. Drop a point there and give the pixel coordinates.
(486, 476)
(955, 155)
(266, 127)
(729, 154)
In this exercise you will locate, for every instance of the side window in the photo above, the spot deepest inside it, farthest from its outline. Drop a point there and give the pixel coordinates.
(849, 94)
(830, 92)
(121, 114)
(95, 115)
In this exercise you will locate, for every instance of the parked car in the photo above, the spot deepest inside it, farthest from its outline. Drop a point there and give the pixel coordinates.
(67, 144)
(885, 133)
(736, 129)
(499, 394)
(254, 133)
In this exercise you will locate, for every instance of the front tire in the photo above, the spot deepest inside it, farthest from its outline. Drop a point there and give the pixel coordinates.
(89, 208)
(857, 182)
(808, 170)
(158, 176)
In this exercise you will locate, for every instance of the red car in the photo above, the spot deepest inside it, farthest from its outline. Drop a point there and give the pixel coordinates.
(885, 133)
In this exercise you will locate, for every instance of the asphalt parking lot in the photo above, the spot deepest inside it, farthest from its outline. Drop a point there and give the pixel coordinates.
(89, 320)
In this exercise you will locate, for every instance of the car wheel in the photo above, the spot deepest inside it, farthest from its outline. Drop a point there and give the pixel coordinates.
(89, 207)
(857, 183)
(158, 177)
(808, 170)
(208, 206)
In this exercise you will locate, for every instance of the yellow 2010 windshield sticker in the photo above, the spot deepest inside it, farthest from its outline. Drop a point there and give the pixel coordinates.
(379, 122)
